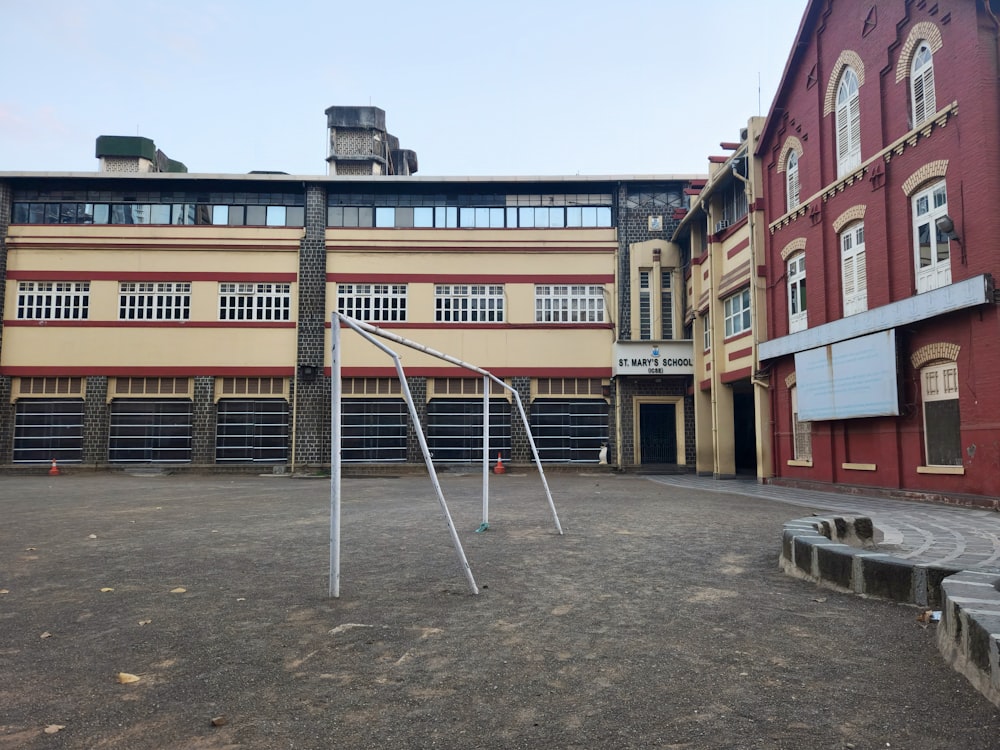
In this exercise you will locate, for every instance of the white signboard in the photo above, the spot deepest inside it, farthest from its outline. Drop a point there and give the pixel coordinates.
(653, 358)
(849, 379)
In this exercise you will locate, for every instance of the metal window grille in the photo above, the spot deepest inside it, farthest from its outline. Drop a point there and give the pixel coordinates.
(251, 431)
(455, 429)
(373, 430)
(569, 304)
(53, 300)
(154, 301)
(260, 302)
(46, 429)
(666, 305)
(645, 308)
(148, 431)
(468, 303)
(373, 303)
(569, 431)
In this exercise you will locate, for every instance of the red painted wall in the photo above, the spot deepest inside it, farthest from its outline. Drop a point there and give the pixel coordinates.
(965, 72)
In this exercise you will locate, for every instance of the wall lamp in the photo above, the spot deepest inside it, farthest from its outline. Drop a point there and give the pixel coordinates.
(946, 226)
(308, 372)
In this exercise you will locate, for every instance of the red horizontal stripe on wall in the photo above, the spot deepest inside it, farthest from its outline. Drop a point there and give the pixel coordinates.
(740, 353)
(148, 324)
(246, 278)
(706, 384)
(737, 247)
(732, 377)
(461, 372)
(485, 326)
(148, 372)
(467, 278)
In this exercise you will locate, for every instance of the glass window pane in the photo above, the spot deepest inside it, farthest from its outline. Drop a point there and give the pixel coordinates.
(350, 216)
(335, 216)
(496, 218)
(101, 211)
(423, 217)
(295, 216)
(220, 214)
(526, 217)
(603, 216)
(482, 217)
(590, 216)
(237, 215)
(67, 213)
(511, 217)
(556, 218)
(20, 213)
(385, 216)
(366, 216)
(275, 216)
(256, 216)
(574, 216)
(541, 216)
(51, 213)
(468, 217)
(452, 217)
(159, 213)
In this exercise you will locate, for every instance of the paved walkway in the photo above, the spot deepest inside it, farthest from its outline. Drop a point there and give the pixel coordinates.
(916, 531)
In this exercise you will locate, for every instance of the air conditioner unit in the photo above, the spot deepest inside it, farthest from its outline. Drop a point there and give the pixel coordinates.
(720, 225)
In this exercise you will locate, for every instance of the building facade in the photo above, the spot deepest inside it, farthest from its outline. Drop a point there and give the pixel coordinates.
(723, 238)
(881, 170)
(177, 318)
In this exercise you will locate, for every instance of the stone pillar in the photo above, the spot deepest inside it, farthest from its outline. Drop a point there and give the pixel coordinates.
(418, 390)
(520, 451)
(312, 395)
(203, 418)
(96, 421)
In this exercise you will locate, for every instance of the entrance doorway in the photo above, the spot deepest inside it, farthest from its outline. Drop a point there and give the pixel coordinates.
(657, 433)
(744, 436)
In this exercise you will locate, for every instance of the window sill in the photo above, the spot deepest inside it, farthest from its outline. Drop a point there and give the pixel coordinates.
(858, 467)
(800, 462)
(956, 470)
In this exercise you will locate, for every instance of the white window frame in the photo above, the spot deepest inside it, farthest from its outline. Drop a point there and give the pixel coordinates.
(939, 382)
(792, 181)
(737, 308)
(931, 247)
(373, 303)
(53, 300)
(645, 304)
(706, 333)
(797, 301)
(848, 123)
(255, 302)
(853, 269)
(569, 303)
(154, 300)
(922, 96)
(468, 303)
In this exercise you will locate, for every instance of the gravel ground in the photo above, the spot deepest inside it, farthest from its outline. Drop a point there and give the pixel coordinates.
(659, 620)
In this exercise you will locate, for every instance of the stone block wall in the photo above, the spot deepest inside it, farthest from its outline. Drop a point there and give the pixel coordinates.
(96, 421)
(203, 416)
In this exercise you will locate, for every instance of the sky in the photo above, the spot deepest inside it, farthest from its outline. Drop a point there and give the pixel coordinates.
(512, 87)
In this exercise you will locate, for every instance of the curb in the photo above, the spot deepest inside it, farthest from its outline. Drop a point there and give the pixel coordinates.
(839, 552)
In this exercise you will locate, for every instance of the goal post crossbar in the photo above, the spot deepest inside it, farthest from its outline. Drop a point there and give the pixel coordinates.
(372, 334)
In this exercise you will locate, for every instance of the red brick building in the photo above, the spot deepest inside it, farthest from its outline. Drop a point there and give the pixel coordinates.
(882, 174)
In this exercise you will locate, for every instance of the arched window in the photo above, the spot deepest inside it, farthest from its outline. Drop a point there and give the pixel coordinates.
(848, 123)
(796, 274)
(854, 273)
(792, 181)
(922, 84)
(942, 422)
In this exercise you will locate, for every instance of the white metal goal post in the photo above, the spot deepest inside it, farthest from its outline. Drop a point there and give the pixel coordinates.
(373, 334)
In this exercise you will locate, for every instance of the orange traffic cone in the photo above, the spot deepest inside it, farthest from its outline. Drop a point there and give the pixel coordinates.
(499, 468)
(54, 471)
